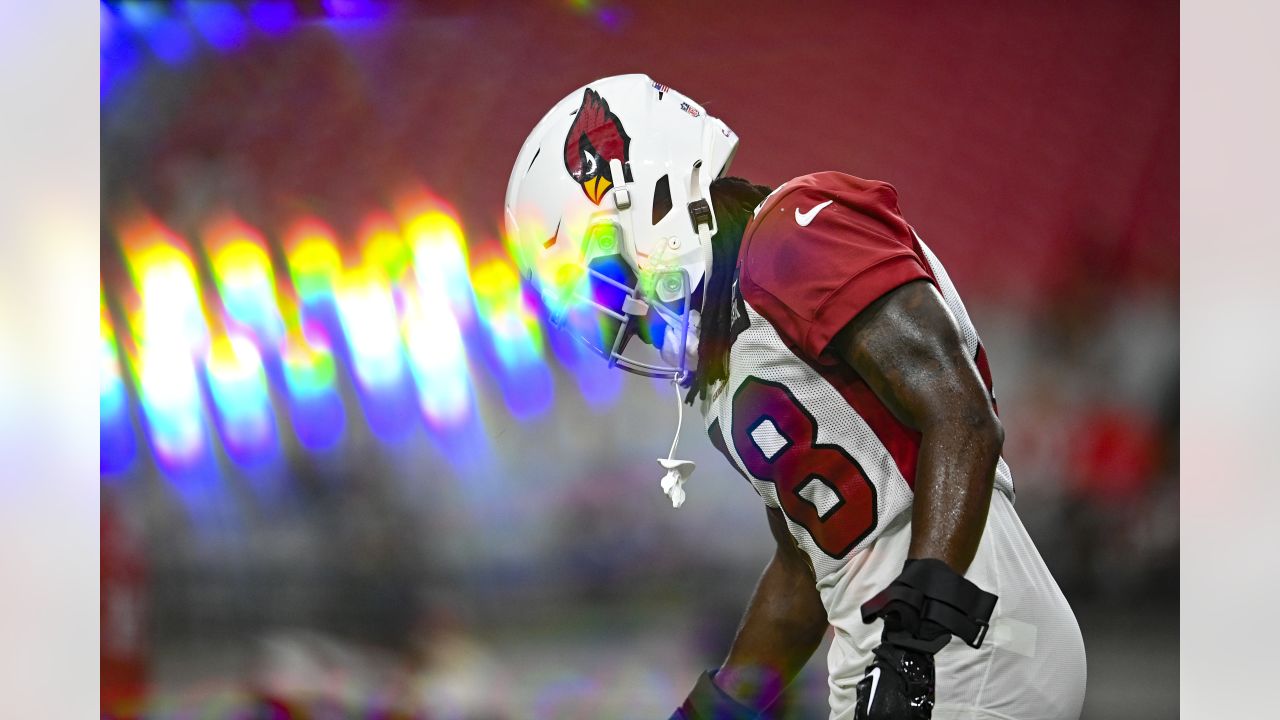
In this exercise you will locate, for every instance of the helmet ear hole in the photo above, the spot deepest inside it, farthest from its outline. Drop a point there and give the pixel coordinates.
(661, 199)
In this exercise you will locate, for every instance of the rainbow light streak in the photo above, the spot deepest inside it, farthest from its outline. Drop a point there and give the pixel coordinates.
(515, 337)
(384, 251)
(599, 384)
(428, 327)
(315, 272)
(440, 258)
(170, 329)
(172, 312)
(376, 356)
(315, 407)
(309, 369)
(171, 404)
(314, 261)
(308, 372)
(437, 358)
(238, 387)
(562, 281)
(246, 283)
(115, 434)
(512, 327)
(368, 322)
(402, 320)
(367, 311)
(566, 298)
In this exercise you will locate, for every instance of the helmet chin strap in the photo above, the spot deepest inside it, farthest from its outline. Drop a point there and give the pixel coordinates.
(700, 213)
(703, 219)
(678, 471)
(622, 202)
(704, 236)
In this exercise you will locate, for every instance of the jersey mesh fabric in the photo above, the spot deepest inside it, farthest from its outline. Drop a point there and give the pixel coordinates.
(759, 352)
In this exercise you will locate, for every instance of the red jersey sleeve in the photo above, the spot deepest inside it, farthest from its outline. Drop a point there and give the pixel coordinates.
(819, 251)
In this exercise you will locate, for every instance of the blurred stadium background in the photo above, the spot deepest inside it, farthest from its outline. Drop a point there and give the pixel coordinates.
(348, 470)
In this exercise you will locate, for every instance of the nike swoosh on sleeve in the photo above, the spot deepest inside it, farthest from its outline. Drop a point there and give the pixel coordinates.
(803, 219)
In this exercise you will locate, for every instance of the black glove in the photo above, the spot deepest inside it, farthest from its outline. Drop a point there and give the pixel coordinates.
(921, 609)
(708, 702)
(898, 685)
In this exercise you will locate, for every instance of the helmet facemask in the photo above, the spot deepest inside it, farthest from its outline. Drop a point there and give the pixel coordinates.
(638, 277)
(609, 304)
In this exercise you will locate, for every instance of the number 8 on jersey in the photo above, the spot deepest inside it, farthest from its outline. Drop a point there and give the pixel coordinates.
(820, 487)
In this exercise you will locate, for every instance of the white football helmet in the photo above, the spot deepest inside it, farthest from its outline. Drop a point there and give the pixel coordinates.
(608, 214)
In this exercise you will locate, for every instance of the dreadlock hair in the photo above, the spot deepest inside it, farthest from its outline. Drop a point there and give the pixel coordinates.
(733, 201)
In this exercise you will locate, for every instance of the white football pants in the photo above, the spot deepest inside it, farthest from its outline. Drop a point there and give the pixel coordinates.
(1031, 665)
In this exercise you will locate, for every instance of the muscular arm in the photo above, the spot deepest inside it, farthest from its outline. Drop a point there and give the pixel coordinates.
(907, 348)
(783, 625)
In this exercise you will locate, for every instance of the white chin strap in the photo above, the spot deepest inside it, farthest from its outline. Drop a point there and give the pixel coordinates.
(678, 471)
(704, 230)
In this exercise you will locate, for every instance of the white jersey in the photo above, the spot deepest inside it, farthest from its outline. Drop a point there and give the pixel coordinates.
(816, 443)
(805, 430)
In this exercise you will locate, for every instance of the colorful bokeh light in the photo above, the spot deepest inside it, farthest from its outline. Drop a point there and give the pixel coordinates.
(370, 324)
(172, 312)
(403, 312)
(315, 408)
(166, 34)
(115, 433)
(368, 314)
(238, 386)
(171, 402)
(169, 330)
(440, 255)
(273, 17)
(219, 22)
(438, 358)
(246, 281)
(314, 261)
(515, 337)
(310, 371)
(512, 326)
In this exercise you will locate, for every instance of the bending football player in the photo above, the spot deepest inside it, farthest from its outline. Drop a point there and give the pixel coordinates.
(838, 371)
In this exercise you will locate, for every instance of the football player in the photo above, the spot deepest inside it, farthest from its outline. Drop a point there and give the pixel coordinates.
(839, 373)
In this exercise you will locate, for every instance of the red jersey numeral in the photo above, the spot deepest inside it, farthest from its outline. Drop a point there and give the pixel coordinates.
(839, 511)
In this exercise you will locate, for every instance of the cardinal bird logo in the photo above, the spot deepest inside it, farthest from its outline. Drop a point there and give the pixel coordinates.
(595, 138)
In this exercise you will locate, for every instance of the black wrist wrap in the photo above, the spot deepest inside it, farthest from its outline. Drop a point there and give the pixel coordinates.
(927, 604)
(709, 702)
